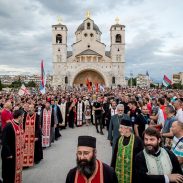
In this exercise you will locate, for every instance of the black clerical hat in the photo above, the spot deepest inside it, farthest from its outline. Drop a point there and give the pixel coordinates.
(126, 122)
(88, 141)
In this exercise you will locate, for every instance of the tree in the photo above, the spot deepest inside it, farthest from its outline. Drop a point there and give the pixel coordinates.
(132, 81)
(177, 86)
(16, 84)
(1, 86)
(31, 84)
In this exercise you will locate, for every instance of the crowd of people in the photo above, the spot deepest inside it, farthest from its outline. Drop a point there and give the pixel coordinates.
(144, 127)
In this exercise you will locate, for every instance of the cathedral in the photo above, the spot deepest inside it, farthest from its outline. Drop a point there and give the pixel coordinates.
(89, 60)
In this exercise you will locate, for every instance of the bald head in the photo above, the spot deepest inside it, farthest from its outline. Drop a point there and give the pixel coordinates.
(31, 108)
(178, 104)
(177, 129)
(8, 105)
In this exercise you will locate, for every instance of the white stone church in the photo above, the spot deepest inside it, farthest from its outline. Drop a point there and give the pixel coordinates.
(88, 59)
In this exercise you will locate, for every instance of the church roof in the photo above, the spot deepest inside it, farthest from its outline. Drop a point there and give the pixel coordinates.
(81, 27)
(117, 25)
(69, 54)
(89, 52)
(60, 25)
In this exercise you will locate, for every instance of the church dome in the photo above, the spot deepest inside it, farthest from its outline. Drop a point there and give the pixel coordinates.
(81, 27)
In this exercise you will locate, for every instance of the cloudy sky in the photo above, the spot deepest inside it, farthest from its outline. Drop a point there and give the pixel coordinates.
(154, 32)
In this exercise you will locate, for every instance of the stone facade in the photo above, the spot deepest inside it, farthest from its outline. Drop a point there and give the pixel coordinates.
(143, 81)
(177, 78)
(88, 58)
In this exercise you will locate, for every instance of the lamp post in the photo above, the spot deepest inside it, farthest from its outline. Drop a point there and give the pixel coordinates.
(131, 77)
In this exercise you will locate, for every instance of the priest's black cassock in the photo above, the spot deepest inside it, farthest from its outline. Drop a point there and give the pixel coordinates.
(138, 146)
(141, 169)
(38, 151)
(71, 113)
(8, 149)
(108, 175)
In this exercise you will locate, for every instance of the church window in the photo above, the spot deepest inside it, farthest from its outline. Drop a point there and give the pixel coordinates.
(113, 80)
(66, 80)
(118, 49)
(55, 28)
(85, 34)
(118, 58)
(58, 38)
(118, 38)
(91, 35)
(62, 28)
(59, 58)
(88, 25)
(59, 49)
(88, 46)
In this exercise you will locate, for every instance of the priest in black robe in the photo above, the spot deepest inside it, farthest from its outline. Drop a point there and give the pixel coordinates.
(126, 148)
(71, 113)
(155, 164)
(9, 153)
(90, 169)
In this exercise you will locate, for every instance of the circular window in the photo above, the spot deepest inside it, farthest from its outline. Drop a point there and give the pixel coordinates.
(85, 34)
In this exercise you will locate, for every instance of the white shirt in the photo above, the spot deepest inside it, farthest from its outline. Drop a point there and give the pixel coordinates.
(179, 115)
(161, 119)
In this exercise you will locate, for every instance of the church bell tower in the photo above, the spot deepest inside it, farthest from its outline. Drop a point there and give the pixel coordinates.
(59, 49)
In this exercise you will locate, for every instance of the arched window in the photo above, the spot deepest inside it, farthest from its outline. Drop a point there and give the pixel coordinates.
(118, 38)
(88, 25)
(58, 38)
(66, 80)
(113, 80)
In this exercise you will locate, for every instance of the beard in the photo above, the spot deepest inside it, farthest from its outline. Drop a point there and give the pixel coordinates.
(151, 149)
(87, 167)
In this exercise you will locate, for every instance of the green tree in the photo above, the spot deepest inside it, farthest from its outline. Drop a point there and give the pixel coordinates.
(1, 85)
(31, 84)
(177, 86)
(16, 84)
(132, 81)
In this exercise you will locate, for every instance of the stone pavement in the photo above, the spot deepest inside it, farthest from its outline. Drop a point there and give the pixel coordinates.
(61, 156)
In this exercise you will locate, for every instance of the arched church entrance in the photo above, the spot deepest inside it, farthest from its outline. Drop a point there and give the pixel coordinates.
(91, 76)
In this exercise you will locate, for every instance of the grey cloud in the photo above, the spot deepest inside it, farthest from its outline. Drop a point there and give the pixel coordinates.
(140, 57)
(177, 51)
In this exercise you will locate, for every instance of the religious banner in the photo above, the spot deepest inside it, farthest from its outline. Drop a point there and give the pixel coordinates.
(29, 135)
(46, 128)
(23, 91)
(19, 145)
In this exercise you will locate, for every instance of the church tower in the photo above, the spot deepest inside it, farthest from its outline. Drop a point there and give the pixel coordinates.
(59, 48)
(117, 50)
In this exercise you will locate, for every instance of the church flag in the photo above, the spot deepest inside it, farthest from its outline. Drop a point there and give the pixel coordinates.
(166, 81)
(23, 91)
(96, 87)
(102, 88)
(88, 84)
(43, 79)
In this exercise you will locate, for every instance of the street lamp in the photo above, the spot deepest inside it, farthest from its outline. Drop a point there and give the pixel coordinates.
(131, 77)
